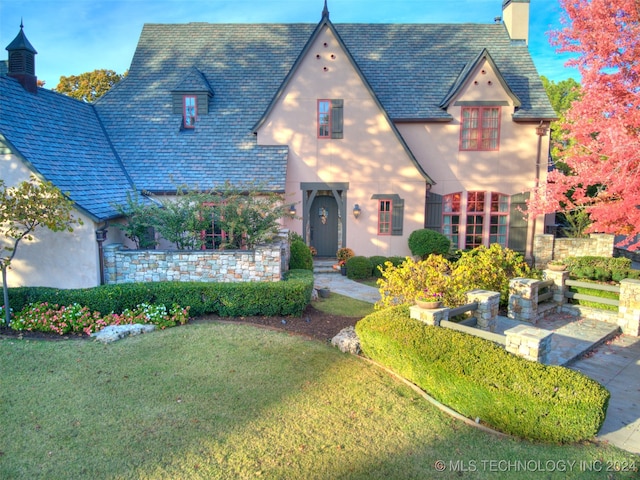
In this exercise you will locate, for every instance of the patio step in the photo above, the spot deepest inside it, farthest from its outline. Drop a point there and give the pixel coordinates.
(324, 265)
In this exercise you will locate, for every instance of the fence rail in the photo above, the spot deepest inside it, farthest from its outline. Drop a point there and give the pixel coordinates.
(592, 298)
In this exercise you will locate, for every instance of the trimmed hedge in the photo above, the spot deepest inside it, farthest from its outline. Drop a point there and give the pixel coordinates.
(602, 269)
(301, 257)
(289, 297)
(358, 268)
(425, 242)
(479, 379)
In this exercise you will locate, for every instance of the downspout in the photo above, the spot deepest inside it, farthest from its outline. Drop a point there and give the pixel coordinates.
(101, 236)
(541, 131)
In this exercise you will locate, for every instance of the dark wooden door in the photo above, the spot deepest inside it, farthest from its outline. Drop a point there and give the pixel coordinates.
(324, 226)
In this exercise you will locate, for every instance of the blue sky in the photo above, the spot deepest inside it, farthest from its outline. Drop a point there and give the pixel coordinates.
(77, 36)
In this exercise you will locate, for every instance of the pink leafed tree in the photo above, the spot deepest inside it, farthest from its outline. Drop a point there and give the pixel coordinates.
(603, 125)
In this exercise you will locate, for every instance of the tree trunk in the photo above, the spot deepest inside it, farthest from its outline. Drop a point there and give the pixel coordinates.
(5, 291)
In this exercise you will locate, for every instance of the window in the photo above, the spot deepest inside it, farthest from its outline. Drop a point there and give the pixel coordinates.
(390, 213)
(480, 128)
(498, 219)
(451, 217)
(214, 238)
(475, 220)
(384, 217)
(190, 111)
(330, 118)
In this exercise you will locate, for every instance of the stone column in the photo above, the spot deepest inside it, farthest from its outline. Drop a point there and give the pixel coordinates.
(559, 284)
(629, 309)
(529, 342)
(487, 311)
(110, 264)
(523, 299)
(431, 317)
(542, 249)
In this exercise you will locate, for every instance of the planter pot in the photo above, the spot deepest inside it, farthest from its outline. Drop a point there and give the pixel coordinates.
(324, 292)
(428, 305)
(556, 268)
(343, 270)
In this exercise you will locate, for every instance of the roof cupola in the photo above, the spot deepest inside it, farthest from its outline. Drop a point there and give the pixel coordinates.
(22, 64)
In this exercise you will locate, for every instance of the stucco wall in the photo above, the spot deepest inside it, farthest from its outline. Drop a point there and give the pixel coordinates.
(370, 158)
(52, 259)
(265, 263)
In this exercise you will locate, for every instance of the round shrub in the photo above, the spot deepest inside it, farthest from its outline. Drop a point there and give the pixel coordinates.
(358, 268)
(424, 242)
(377, 260)
(301, 257)
(397, 261)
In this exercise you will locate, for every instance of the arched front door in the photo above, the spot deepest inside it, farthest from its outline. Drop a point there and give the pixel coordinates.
(323, 223)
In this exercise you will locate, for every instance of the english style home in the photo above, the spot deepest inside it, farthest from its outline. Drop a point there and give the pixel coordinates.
(371, 131)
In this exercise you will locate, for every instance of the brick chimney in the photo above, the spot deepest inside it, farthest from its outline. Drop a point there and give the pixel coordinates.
(22, 64)
(515, 14)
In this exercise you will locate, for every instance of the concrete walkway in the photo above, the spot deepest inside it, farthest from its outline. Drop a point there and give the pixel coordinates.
(615, 363)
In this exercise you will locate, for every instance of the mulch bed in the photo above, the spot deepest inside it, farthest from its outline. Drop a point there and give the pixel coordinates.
(312, 323)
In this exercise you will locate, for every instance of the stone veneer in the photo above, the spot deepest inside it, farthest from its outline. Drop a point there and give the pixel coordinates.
(547, 247)
(265, 263)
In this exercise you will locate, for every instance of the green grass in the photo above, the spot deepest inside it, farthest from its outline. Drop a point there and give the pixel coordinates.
(337, 304)
(234, 401)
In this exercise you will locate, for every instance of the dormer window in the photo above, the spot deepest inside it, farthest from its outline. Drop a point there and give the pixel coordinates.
(190, 110)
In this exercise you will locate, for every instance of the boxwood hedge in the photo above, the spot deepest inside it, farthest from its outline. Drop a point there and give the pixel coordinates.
(479, 379)
(289, 297)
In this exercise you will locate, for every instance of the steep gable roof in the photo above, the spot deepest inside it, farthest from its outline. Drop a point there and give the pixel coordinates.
(62, 139)
(469, 69)
(410, 69)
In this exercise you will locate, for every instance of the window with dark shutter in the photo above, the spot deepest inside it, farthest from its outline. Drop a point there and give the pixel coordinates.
(330, 121)
(390, 213)
(518, 224)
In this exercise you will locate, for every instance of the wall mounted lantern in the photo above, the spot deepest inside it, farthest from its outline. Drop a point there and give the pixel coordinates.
(292, 211)
(356, 211)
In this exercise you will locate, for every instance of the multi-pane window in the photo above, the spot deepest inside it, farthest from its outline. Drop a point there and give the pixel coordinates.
(214, 237)
(451, 217)
(384, 217)
(330, 118)
(498, 219)
(324, 118)
(480, 128)
(475, 220)
(190, 110)
(482, 216)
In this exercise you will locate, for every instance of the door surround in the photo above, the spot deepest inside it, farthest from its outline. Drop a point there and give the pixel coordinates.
(338, 190)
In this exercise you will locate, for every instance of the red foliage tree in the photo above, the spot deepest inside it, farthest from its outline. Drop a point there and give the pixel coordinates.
(604, 124)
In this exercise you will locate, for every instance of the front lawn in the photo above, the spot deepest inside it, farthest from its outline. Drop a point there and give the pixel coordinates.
(213, 400)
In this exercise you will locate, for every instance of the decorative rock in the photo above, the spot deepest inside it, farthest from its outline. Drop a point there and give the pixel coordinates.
(113, 333)
(347, 341)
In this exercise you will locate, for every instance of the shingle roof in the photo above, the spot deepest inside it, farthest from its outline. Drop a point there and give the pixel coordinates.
(411, 68)
(62, 139)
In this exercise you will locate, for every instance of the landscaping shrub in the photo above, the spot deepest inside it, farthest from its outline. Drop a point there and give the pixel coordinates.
(301, 257)
(481, 380)
(396, 261)
(358, 268)
(377, 261)
(600, 268)
(425, 242)
(481, 268)
(288, 297)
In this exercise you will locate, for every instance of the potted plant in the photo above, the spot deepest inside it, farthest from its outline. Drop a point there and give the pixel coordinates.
(429, 299)
(343, 255)
(556, 265)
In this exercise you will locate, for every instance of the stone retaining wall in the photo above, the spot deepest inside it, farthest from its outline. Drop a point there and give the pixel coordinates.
(265, 263)
(547, 247)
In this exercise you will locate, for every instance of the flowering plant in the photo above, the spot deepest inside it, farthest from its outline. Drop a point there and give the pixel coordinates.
(427, 296)
(75, 318)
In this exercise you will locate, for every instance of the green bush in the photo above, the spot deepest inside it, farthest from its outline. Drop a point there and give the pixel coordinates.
(377, 261)
(289, 297)
(358, 268)
(301, 257)
(602, 269)
(425, 242)
(396, 261)
(479, 379)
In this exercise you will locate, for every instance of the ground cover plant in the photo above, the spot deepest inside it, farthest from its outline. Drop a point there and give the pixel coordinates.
(221, 400)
